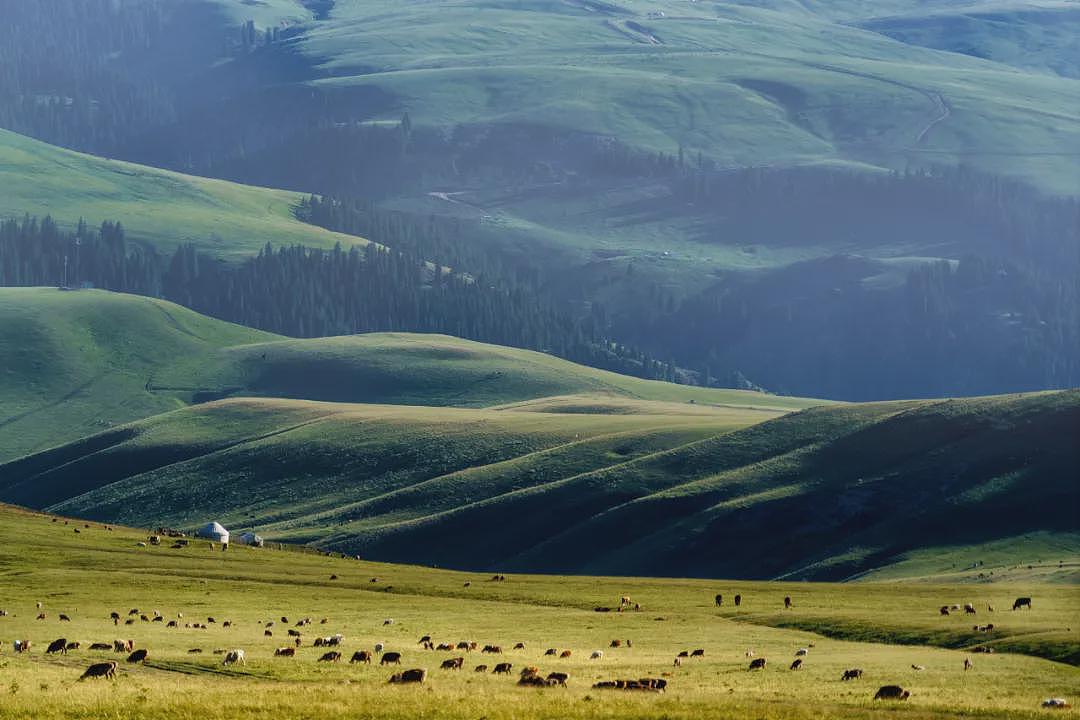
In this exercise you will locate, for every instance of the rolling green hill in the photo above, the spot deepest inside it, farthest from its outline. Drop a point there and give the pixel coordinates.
(744, 83)
(828, 492)
(76, 363)
(159, 206)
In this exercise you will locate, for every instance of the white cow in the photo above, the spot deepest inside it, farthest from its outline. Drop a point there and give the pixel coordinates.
(233, 657)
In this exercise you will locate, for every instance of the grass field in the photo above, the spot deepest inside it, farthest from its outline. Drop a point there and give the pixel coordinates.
(76, 363)
(162, 207)
(90, 574)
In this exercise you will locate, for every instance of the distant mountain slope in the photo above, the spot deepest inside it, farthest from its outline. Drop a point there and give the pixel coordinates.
(79, 362)
(786, 83)
(159, 206)
(824, 493)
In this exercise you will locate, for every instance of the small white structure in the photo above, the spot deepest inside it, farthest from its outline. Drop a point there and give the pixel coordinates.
(249, 538)
(213, 531)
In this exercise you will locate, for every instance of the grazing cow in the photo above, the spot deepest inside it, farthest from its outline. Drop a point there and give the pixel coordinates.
(445, 646)
(493, 649)
(138, 656)
(503, 669)
(615, 643)
(597, 655)
(158, 618)
(388, 621)
(121, 646)
(379, 647)
(1022, 602)
(284, 620)
(64, 618)
(285, 652)
(530, 670)
(57, 646)
(463, 645)
(519, 646)
(918, 668)
(678, 662)
(270, 633)
(787, 602)
(533, 681)
(480, 668)
(565, 654)
(453, 663)
(101, 646)
(757, 664)
(114, 616)
(75, 645)
(361, 656)
(557, 678)
(1056, 704)
(235, 656)
(719, 600)
(21, 646)
(968, 665)
(551, 651)
(852, 674)
(102, 669)
(700, 652)
(42, 616)
(797, 664)
(391, 658)
(684, 654)
(332, 656)
(738, 600)
(802, 652)
(969, 609)
(944, 610)
(892, 692)
(416, 675)
(294, 633)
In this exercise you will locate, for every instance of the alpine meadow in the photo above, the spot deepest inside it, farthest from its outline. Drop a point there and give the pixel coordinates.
(537, 359)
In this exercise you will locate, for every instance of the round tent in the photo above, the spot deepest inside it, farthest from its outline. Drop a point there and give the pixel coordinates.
(250, 538)
(213, 531)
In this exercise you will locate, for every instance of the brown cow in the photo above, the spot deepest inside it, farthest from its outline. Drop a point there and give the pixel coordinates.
(138, 656)
(757, 664)
(103, 669)
(615, 643)
(453, 663)
(391, 658)
(416, 675)
(332, 656)
(503, 668)
(565, 654)
(892, 692)
(361, 656)
(530, 670)
(557, 678)
(285, 652)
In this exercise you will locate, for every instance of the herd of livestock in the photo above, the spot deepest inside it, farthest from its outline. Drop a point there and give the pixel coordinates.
(528, 676)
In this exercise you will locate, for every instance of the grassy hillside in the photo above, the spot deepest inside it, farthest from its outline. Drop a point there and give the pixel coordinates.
(827, 493)
(163, 207)
(90, 574)
(744, 84)
(76, 363)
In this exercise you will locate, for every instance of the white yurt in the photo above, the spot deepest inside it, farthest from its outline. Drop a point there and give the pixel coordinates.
(250, 538)
(213, 531)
